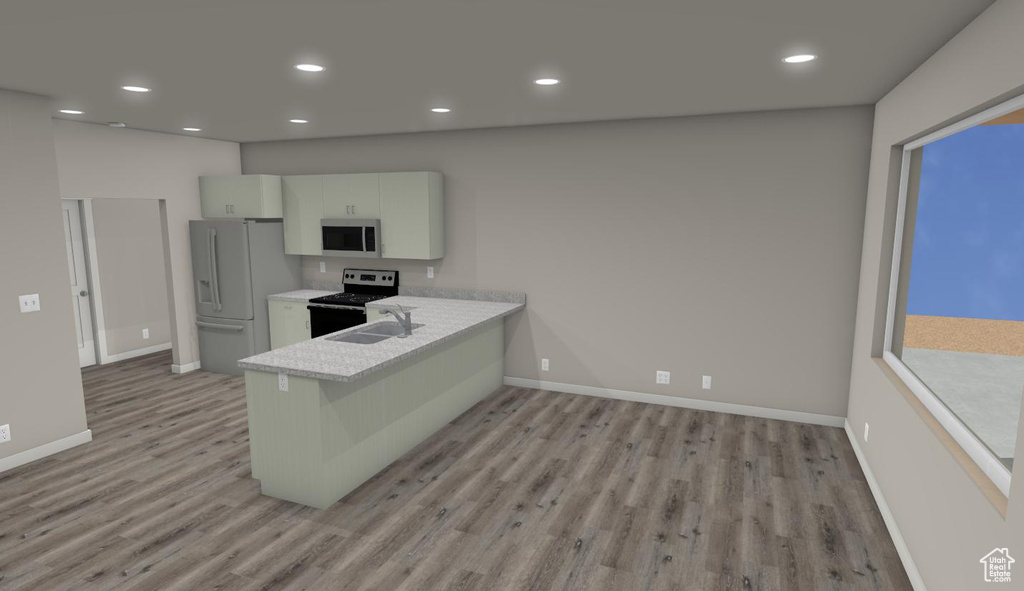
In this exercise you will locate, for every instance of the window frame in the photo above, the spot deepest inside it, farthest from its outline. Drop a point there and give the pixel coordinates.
(991, 465)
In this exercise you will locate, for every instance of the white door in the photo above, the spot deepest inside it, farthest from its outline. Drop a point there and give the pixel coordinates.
(80, 296)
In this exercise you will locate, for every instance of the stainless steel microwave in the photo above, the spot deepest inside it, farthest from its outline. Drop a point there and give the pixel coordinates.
(351, 238)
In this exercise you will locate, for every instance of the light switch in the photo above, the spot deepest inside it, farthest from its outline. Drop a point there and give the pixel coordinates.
(544, 364)
(430, 272)
(323, 267)
(29, 303)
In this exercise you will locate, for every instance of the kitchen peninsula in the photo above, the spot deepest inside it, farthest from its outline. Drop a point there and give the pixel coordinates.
(326, 415)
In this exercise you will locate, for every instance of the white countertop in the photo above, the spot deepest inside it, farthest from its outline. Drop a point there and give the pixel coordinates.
(300, 295)
(442, 320)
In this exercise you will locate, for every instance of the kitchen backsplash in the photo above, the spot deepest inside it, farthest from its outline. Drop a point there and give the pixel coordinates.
(331, 279)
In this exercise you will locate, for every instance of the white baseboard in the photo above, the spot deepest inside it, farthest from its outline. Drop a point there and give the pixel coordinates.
(890, 521)
(47, 449)
(135, 353)
(709, 405)
(185, 367)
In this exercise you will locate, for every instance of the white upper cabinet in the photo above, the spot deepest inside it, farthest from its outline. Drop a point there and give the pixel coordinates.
(352, 196)
(303, 210)
(247, 196)
(409, 205)
(412, 215)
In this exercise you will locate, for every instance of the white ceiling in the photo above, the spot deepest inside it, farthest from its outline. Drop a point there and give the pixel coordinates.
(227, 65)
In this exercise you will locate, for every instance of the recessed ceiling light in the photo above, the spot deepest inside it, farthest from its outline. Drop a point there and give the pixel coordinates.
(135, 88)
(799, 59)
(116, 124)
(547, 81)
(191, 129)
(71, 112)
(298, 120)
(441, 110)
(309, 68)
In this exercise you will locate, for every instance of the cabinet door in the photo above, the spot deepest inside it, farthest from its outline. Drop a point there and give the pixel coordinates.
(257, 196)
(215, 196)
(247, 197)
(303, 209)
(279, 323)
(289, 323)
(412, 215)
(300, 324)
(352, 196)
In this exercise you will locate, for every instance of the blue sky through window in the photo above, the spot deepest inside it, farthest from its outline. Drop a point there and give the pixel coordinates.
(968, 257)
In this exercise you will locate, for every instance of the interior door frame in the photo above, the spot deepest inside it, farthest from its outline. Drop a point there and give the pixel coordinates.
(93, 269)
(90, 279)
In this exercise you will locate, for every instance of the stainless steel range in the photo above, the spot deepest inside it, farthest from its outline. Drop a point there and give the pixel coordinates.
(347, 309)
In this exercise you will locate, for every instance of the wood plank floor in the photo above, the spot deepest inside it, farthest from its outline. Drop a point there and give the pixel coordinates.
(527, 490)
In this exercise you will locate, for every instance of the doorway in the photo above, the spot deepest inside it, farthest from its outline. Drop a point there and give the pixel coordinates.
(120, 277)
(81, 293)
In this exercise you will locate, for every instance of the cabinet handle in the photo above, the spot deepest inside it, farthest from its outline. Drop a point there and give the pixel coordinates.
(227, 209)
(353, 210)
(307, 325)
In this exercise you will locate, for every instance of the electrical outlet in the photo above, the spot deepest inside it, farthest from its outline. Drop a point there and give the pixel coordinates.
(706, 382)
(662, 377)
(5, 433)
(544, 364)
(145, 333)
(323, 267)
(867, 428)
(430, 272)
(282, 382)
(29, 303)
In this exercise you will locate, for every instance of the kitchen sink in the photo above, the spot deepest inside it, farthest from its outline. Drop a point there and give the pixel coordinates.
(374, 333)
(359, 338)
(388, 328)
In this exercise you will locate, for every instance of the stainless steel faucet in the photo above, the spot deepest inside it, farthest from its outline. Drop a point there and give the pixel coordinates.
(406, 322)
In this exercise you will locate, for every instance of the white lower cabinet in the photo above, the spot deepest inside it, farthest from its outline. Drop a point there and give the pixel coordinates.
(289, 323)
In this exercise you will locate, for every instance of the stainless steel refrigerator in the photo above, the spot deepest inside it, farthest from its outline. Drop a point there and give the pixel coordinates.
(236, 264)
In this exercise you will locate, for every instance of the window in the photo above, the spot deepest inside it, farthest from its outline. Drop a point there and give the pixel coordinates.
(955, 324)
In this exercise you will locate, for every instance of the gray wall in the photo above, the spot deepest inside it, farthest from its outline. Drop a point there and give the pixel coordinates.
(947, 522)
(41, 394)
(723, 245)
(133, 282)
(96, 161)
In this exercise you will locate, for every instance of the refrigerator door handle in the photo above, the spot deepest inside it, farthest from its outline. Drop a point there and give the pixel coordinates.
(230, 327)
(213, 270)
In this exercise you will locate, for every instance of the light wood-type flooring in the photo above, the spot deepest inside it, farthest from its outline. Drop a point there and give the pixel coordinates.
(527, 490)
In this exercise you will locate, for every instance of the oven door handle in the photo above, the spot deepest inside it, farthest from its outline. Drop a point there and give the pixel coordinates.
(334, 307)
